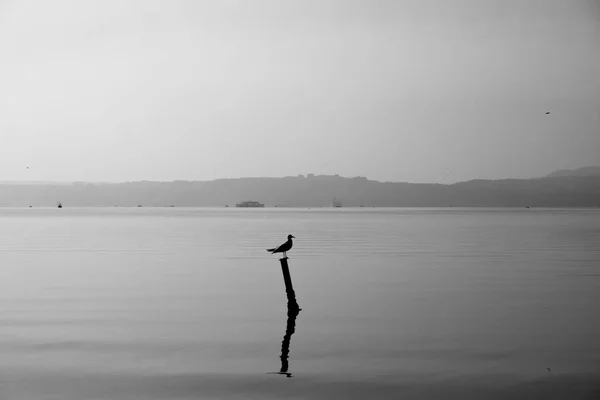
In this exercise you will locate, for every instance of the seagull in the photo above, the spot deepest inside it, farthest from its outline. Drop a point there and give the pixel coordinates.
(284, 247)
(547, 112)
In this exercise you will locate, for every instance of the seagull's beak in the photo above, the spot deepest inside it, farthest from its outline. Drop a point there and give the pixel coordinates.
(294, 236)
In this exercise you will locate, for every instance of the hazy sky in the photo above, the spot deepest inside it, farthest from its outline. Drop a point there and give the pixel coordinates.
(418, 91)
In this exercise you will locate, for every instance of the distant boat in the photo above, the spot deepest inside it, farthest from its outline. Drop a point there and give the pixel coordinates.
(250, 204)
(336, 203)
(59, 205)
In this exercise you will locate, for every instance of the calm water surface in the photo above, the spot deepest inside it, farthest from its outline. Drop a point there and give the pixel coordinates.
(186, 303)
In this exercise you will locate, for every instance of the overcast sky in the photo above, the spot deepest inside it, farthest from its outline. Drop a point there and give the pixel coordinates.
(418, 91)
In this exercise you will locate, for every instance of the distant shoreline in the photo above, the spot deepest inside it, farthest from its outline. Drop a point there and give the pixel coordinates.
(313, 191)
(337, 209)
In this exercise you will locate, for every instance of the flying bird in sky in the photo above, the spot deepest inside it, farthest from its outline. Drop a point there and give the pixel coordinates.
(285, 247)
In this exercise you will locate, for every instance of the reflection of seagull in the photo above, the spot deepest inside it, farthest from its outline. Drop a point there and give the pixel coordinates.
(284, 247)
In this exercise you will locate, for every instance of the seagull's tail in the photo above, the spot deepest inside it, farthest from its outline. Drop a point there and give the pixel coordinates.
(270, 250)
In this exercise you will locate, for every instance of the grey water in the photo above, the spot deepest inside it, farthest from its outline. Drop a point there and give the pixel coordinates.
(184, 303)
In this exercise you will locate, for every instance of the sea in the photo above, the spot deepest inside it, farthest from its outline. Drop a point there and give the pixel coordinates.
(396, 303)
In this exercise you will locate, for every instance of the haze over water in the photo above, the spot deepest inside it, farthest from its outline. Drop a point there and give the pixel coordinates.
(172, 303)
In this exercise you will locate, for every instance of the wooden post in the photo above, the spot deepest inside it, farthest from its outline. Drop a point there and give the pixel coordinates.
(289, 289)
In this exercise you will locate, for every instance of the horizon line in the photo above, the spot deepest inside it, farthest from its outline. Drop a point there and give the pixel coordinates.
(299, 176)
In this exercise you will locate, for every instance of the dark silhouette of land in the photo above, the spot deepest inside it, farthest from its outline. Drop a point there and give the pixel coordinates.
(585, 171)
(577, 188)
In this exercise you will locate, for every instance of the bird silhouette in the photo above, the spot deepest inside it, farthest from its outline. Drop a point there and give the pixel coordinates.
(547, 112)
(283, 248)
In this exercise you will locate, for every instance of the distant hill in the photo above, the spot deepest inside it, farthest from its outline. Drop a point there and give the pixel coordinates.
(585, 171)
(313, 191)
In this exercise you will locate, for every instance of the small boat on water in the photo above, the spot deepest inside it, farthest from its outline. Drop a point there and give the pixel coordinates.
(250, 204)
(336, 203)
(59, 205)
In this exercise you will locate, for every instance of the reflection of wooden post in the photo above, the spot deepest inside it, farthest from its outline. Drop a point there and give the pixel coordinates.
(285, 344)
(289, 289)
